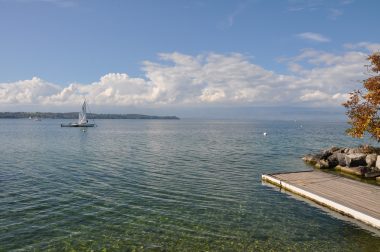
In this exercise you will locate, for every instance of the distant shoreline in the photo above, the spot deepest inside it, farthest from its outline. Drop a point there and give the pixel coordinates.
(74, 115)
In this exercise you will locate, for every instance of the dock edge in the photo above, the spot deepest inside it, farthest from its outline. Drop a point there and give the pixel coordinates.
(369, 220)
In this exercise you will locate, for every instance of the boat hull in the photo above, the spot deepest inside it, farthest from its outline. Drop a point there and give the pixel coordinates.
(76, 125)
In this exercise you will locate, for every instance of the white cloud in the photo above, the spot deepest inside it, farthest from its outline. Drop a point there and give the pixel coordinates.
(313, 37)
(317, 78)
(26, 91)
(212, 94)
(111, 89)
(371, 47)
(318, 97)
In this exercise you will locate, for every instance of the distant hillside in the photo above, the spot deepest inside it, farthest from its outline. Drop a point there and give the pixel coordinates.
(74, 115)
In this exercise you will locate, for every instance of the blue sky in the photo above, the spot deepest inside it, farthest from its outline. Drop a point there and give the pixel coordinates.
(162, 54)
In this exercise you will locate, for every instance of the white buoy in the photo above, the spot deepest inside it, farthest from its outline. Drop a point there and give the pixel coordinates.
(264, 133)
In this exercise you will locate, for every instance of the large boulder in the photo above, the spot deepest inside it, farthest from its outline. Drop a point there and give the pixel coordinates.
(333, 159)
(363, 170)
(354, 160)
(322, 164)
(336, 149)
(372, 174)
(354, 150)
(340, 150)
(311, 159)
(368, 149)
(341, 157)
(325, 154)
(371, 160)
(378, 162)
(351, 170)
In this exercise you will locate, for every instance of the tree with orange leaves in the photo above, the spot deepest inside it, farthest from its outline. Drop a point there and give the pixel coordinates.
(363, 105)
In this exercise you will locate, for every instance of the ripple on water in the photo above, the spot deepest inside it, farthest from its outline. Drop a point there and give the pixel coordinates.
(163, 185)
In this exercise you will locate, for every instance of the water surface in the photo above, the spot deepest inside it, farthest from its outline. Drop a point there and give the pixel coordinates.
(187, 185)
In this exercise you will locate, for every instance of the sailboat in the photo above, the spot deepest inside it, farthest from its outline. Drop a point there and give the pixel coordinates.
(82, 120)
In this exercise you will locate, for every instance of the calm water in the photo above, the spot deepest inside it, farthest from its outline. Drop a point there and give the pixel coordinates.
(183, 185)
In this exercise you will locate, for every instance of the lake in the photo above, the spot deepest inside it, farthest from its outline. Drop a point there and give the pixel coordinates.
(177, 185)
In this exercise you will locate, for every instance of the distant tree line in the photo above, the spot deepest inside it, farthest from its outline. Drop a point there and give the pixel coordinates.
(74, 115)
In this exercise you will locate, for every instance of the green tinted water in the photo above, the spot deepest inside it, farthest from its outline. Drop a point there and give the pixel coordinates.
(164, 185)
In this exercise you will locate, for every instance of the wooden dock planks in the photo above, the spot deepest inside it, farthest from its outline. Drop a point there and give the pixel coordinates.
(353, 198)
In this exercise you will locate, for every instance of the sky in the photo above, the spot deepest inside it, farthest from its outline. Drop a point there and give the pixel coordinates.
(184, 57)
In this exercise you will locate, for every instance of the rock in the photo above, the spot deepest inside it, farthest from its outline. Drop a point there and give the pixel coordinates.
(363, 170)
(372, 174)
(357, 159)
(365, 155)
(333, 160)
(352, 170)
(371, 160)
(341, 159)
(325, 154)
(322, 164)
(341, 150)
(335, 149)
(378, 162)
(354, 151)
(328, 152)
(368, 149)
(310, 159)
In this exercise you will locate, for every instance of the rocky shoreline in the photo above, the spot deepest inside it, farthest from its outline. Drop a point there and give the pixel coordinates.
(363, 161)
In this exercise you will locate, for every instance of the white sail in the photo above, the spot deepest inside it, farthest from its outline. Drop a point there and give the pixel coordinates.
(82, 119)
(82, 115)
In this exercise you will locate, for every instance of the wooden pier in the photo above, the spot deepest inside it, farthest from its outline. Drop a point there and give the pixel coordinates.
(349, 197)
